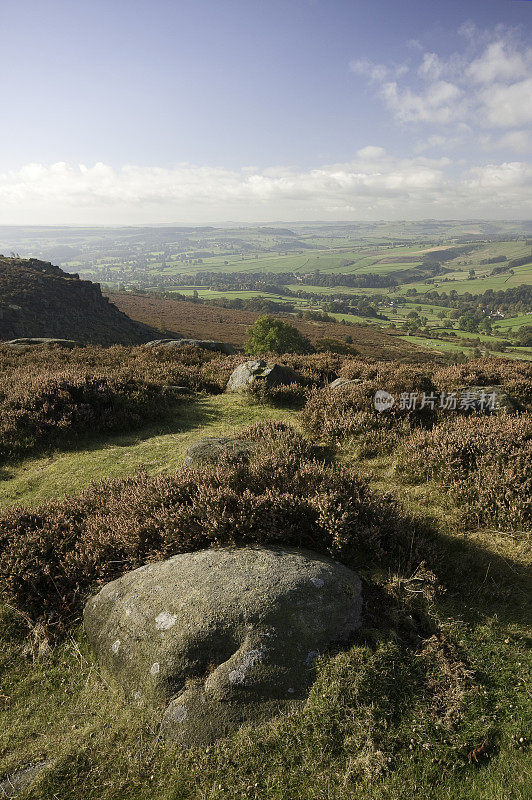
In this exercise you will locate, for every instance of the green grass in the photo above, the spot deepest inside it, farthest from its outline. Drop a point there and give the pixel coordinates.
(155, 449)
(463, 346)
(437, 344)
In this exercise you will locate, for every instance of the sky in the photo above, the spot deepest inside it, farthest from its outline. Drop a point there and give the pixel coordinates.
(259, 111)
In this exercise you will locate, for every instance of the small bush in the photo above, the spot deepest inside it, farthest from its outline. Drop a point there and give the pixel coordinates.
(47, 409)
(285, 395)
(50, 396)
(271, 335)
(349, 410)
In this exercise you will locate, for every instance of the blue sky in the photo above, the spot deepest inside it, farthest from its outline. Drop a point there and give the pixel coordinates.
(259, 110)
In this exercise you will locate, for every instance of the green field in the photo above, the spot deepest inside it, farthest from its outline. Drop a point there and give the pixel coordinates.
(161, 259)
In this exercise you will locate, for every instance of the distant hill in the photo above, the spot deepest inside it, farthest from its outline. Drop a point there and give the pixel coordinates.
(38, 299)
(205, 321)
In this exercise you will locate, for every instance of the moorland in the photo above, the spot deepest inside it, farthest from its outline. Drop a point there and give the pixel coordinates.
(431, 506)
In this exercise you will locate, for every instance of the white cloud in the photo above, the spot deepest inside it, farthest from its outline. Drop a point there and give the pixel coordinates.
(501, 176)
(488, 85)
(377, 72)
(372, 186)
(438, 104)
(518, 141)
(507, 106)
(444, 142)
(499, 62)
(431, 67)
(371, 152)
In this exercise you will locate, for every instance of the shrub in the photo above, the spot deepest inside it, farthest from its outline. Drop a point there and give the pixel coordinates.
(284, 395)
(271, 335)
(349, 410)
(49, 396)
(53, 557)
(335, 346)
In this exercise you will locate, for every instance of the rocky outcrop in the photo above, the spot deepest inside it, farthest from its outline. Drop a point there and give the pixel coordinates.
(39, 300)
(219, 637)
(203, 344)
(260, 371)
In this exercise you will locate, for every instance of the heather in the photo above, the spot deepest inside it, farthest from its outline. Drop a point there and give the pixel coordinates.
(52, 557)
(483, 460)
(440, 665)
(51, 397)
(349, 410)
(485, 463)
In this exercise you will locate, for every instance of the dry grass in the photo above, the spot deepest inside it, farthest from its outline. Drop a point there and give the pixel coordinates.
(201, 321)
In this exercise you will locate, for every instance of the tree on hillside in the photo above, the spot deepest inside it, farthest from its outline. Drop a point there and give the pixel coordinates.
(271, 335)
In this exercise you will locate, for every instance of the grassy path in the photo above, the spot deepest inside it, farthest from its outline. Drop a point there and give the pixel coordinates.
(155, 449)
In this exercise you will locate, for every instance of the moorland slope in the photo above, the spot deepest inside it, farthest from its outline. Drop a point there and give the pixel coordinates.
(205, 321)
(429, 505)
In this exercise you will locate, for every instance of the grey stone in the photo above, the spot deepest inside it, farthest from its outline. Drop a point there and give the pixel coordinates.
(485, 399)
(43, 341)
(339, 383)
(209, 450)
(220, 637)
(204, 344)
(270, 374)
(22, 779)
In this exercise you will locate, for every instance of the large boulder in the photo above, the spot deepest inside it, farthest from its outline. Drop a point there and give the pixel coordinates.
(268, 374)
(219, 637)
(203, 344)
(210, 450)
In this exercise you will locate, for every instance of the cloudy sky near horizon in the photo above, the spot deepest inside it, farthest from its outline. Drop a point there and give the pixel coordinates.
(210, 111)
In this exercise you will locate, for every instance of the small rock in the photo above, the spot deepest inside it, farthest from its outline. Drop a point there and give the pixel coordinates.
(203, 344)
(486, 399)
(260, 371)
(22, 779)
(209, 450)
(341, 382)
(43, 342)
